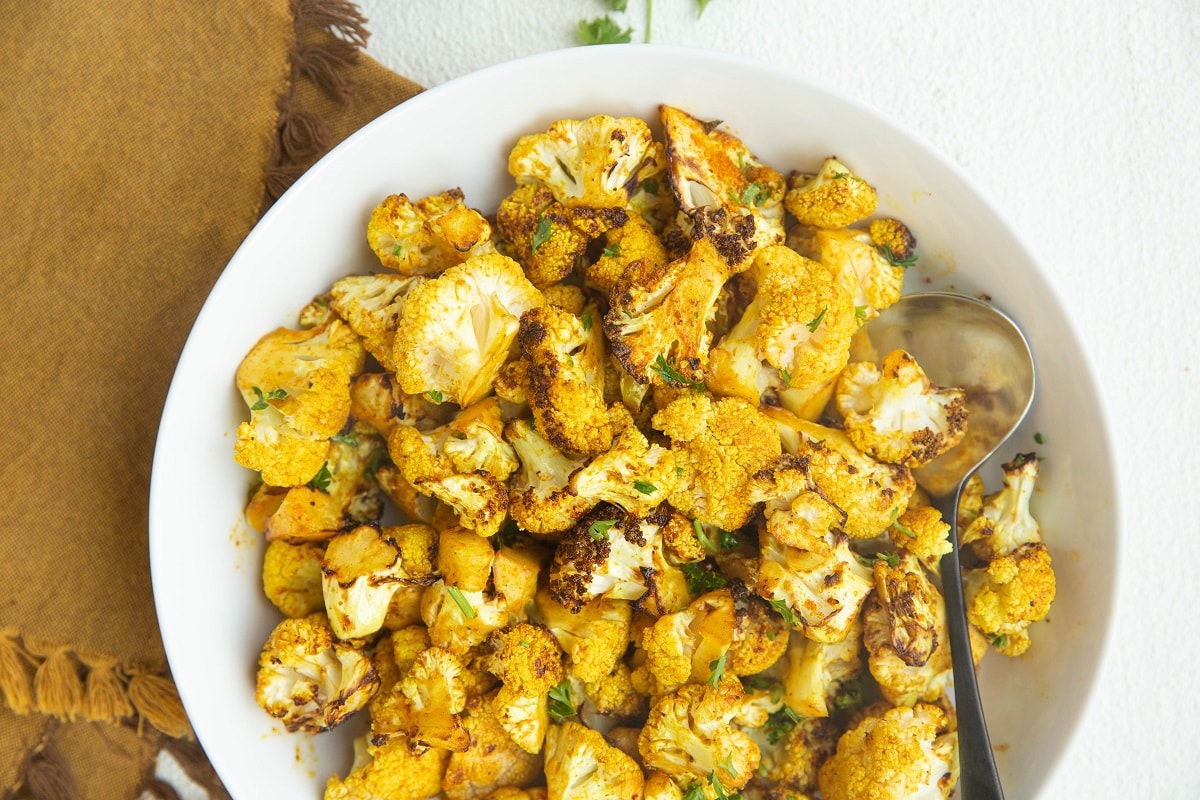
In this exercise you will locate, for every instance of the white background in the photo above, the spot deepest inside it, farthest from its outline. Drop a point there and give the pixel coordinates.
(1080, 119)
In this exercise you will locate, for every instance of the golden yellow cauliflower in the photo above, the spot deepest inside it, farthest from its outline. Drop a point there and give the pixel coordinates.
(427, 236)
(391, 771)
(581, 764)
(832, 198)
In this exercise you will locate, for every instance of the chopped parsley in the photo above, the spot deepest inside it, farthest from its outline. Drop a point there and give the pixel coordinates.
(274, 394)
(598, 530)
(787, 378)
(586, 319)
(1000, 642)
(650, 186)
(894, 260)
(461, 601)
(603, 30)
(396, 250)
(435, 395)
(727, 539)
(645, 488)
(780, 724)
(541, 234)
(785, 611)
(694, 793)
(672, 376)
(898, 525)
(838, 175)
(727, 765)
(860, 315)
(344, 438)
(705, 542)
(612, 251)
(320, 481)
(719, 788)
(701, 579)
(891, 559)
(815, 322)
(703, 5)
(717, 669)
(1039, 438)
(850, 696)
(508, 533)
(561, 706)
(753, 195)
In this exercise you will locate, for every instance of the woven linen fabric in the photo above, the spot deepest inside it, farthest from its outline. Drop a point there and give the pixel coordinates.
(141, 141)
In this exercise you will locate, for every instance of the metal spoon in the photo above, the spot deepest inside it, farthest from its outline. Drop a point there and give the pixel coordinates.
(964, 342)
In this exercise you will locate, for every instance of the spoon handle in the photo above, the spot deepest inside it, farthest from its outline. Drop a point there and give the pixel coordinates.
(978, 778)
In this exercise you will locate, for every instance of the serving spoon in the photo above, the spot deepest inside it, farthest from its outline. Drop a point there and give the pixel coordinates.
(963, 342)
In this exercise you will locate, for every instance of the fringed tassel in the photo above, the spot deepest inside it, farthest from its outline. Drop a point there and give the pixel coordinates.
(16, 672)
(57, 685)
(46, 779)
(341, 17)
(104, 695)
(157, 702)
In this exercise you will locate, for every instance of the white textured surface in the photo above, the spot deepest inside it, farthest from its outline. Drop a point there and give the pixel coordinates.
(1081, 121)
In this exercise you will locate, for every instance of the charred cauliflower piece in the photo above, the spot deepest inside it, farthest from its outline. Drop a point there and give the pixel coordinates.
(426, 705)
(540, 497)
(309, 680)
(528, 662)
(691, 646)
(606, 554)
(392, 771)
(456, 330)
(833, 198)
(633, 241)
(728, 194)
(869, 272)
(817, 671)
(426, 237)
(338, 496)
(922, 532)
(377, 404)
(594, 638)
(459, 619)
(581, 764)
(894, 413)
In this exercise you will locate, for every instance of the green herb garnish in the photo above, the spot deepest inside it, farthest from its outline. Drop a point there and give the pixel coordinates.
(645, 488)
(320, 481)
(727, 765)
(274, 394)
(435, 395)
(753, 195)
(900, 526)
(650, 186)
(726, 539)
(860, 315)
(598, 530)
(787, 378)
(586, 319)
(1000, 642)
(780, 724)
(717, 669)
(703, 537)
(461, 601)
(561, 706)
(894, 260)
(344, 438)
(694, 793)
(785, 611)
(1039, 438)
(850, 696)
(603, 30)
(815, 322)
(701, 580)
(541, 233)
(672, 376)
(612, 251)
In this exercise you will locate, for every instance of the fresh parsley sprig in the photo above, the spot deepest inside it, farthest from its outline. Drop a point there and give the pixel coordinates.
(603, 30)
(320, 482)
(261, 403)
(560, 705)
(674, 377)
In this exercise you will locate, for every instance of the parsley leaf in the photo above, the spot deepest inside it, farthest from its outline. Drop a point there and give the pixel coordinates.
(508, 533)
(613, 251)
(717, 669)
(603, 30)
(727, 765)
(649, 186)
(645, 488)
(815, 322)
(850, 696)
(703, 537)
(461, 601)
(1000, 642)
(1039, 438)
(586, 319)
(701, 579)
(726, 539)
(598, 530)
(617, 5)
(785, 611)
(894, 260)
(780, 724)
(900, 526)
(753, 195)
(787, 378)
(320, 481)
(718, 788)
(274, 394)
(694, 793)
(435, 395)
(860, 315)
(344, 438)
(560, 705)
(672, 376)
(541, 234)
(891, 559)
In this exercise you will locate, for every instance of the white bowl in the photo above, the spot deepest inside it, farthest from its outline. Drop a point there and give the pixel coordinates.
(205, 561)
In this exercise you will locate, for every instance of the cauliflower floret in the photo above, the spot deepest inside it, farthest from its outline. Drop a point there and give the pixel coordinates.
(549, 237)
(513, 793)
(377, 404)
(658, 319)
(390, 772)
(904, 755)
(371, 305)
(894, 413)
(606, 554)
(870, 492)
(566, 399)
(360, 573)
(457, 619)
(580, 764)
(1013, 591)
(338, 496)
(427, 236)
(691, 646)
(291, 577)
(894, 240)
(922, 532)
(633, 241)
(595, 162)
(594, 639)
(833, 198)
(426, 705)
(816, 671)
(297, 387)
(760, 638)
(612, 700)
(456, 330)
(719, 445)
(689, 736)
(792, 754)
(1004, 521)
(871, 275)
(794, 510)
(476, 441)
(515, 573)
(726, 192)
(308, 679)
(540, 499)
(819, 590)
(528, 661)
(493, 760)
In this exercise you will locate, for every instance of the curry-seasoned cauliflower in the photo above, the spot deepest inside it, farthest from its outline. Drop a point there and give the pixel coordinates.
(659, 316)
(870, 492)
(817, 671)
(727, 193)
(426, 705)
(456, 330)
(871, 272)
(607, 554)
(540, 497)
(426, 237)
(492, 760)
(371, 305)
(906, 754)
(378, 404)
(760, 638)
(297, 387)
(688, 736)
(794, 334)
(922, 532)
(691, 646)
(308, 679)
(567, 399)
(895, 413)
(340, 495)
(581, 764)
(389, 772)
(791, 756)
(832, 198)
(596, 162)
(719, 445)
(459, 619)
(360, 572)
(594, 638)
(291, 577)
(1004, 521)
(528, 662)
(633, 241)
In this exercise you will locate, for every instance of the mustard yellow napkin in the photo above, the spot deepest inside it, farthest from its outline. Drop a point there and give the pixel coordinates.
(139, 142)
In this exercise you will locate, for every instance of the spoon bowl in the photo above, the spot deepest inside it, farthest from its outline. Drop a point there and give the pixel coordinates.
(964, 342)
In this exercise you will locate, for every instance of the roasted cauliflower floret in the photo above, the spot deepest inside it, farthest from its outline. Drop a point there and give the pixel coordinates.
(1013, 591)
(719, 445)
(426, 237)
(658, 319)
(371, 305)
(540, 498)
(596, 162)
(297, 387)
(581, 764)
(833, 198)
(922, 532)
(1004, 521)
(492, 761)
(390, 772)
(360, 572)
(291, 577)
(870, 492)
(633, 241)
(377, 404)
(904, 755)
(456, 330)
(894, 240)
(727, 193)
(816, 671)
(870, 274)
(760, 638)
(795, 752)
(688, 736)
(339, 495)
(308, 679)
(692, 645)
(606, 554)
(594, 639)
(426, 705)
(459, 619)
(528, 662)
(894, 413)
(567, 402)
